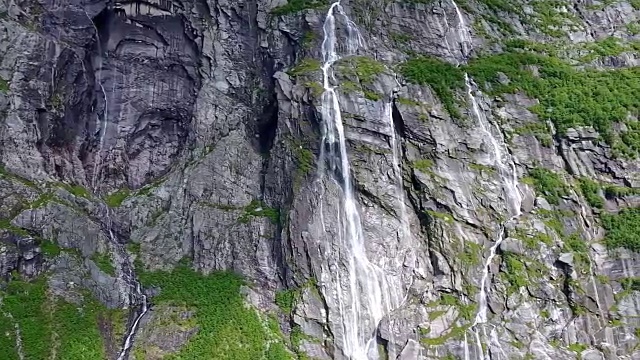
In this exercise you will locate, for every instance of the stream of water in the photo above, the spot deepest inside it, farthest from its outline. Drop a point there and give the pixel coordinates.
(364, 298)
(506, 170)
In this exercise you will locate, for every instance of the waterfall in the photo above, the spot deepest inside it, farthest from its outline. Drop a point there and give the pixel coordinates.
(507, 172)
(102, 125)
(134, 327)
(129, 286)
(405, 231)
(364, 298)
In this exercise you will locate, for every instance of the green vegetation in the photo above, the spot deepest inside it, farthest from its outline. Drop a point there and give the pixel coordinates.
(286, 299)
(465, 311)
(294, 6)
(50, 248)
(372, 95)
(228, 329)
(533, 241)
(42, 319)
(423, 165)
(516, 273)
(115, 199)
(76, 190)
(591, 192)
(614, 191)
(471, 254)
(4, 85)
(258, 209)
(577, 348)
(569, 97)
(438, 215)
(548, 183)
(366, 68)
(442, 77)
(609, 46)
(103, 261)
(622, 229)
(539, 130)
(305, 67)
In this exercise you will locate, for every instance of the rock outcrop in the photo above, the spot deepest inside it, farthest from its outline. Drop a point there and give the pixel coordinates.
(152, 135)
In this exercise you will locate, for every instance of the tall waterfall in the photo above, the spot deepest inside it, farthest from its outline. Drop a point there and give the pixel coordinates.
(507, 172)
(363, 297)
(405, 231)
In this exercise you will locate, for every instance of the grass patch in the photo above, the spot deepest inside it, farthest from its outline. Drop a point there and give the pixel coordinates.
(103, 261)
(39, 317)
(591, 192)
(442, 77)
(228, 329)
(115, 199)
(423, 165)
(366, 68)
(305, 67)
(77, 190)
(258, 209)
(548, 184)
(294, 6)
(622, 229)
(286, 299)
(614, 191)
(569, 97)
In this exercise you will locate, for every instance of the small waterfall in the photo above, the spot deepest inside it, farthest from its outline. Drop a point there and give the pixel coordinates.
(129, 286)
(405, 231)
(364, 299)
(102, 125)
(507, 172)
(134, 327)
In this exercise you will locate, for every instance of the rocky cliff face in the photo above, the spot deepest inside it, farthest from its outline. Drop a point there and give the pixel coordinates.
(157, 141)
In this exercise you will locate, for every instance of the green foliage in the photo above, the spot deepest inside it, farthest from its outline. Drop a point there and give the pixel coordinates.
(549, 184)
(591, 191)
(609, 46)
(305, 67)
(372, 95)
(442, 77)
(635, 4)
(622, 229)
(227, 328)
(423, 165)
(42, 319)
(103, 261)
(76, 190)
(366, 68)
(286, 299)
(258, 209)
(569, 97)
(614, 191)
(577, 348)
(115, 199)
(294, 6)
(515, 274)
(631, 284)
(50, 248)
(4, 85)
(539, 130)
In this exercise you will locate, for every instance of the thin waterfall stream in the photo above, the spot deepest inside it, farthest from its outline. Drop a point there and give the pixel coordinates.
(506, 170)
(129, 286)
(364, 299)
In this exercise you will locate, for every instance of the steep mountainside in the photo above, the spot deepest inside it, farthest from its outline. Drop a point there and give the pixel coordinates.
(368, 179)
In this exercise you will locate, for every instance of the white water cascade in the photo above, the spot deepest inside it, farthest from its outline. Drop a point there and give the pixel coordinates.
(364, 297)
(100, 124)
(506, 170)
(129, 286)
(405, 231)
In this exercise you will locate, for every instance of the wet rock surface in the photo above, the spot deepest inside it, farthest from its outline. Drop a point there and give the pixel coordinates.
(200, 122)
